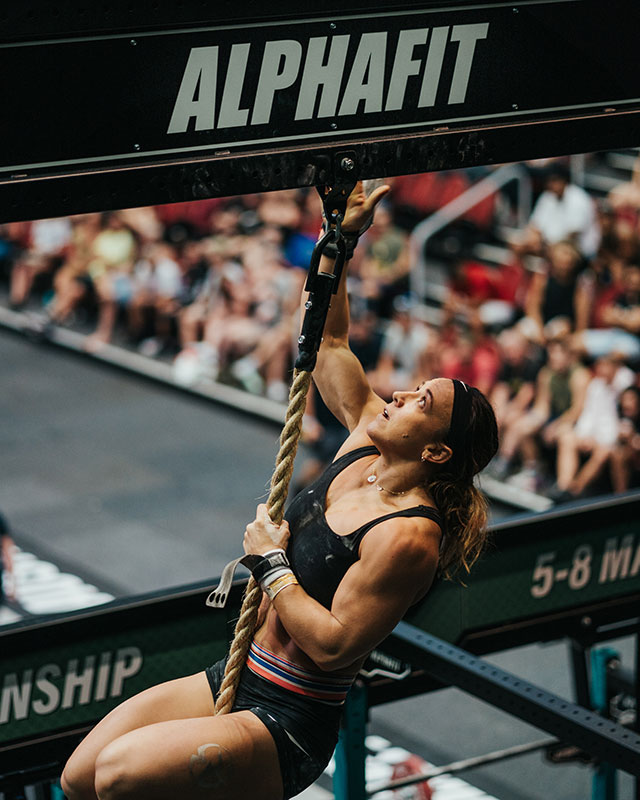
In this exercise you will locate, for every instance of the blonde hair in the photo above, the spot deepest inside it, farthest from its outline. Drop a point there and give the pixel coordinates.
(464, 512)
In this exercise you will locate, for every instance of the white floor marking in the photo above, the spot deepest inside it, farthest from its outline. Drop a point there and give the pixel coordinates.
(42, 588)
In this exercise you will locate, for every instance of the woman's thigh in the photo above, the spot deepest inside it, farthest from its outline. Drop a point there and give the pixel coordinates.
(208, 758)
(183, 698)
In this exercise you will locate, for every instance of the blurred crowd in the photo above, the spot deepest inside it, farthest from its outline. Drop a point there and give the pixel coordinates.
(550, 332)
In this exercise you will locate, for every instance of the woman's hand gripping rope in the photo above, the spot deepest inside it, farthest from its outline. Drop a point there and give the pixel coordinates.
(262, 535)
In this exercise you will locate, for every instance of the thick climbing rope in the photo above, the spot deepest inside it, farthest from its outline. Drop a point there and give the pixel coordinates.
(320, 287)
(247, 621)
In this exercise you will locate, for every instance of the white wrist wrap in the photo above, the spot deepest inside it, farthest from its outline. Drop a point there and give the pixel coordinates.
(274, 583)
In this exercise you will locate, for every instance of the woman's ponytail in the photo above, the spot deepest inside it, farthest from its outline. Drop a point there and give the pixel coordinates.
(464, 513)
(462, 506)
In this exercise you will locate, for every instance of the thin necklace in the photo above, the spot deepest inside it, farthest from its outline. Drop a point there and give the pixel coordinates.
(374, 479)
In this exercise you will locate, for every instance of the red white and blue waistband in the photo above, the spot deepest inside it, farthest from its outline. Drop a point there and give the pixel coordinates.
(323, 688)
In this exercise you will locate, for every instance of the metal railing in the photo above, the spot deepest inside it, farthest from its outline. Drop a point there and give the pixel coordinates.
(425, 230)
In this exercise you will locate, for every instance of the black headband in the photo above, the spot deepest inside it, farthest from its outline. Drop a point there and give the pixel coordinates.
(460, 417)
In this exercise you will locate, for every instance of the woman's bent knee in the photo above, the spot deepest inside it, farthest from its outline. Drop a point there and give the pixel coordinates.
(113, 779)
(77, 781)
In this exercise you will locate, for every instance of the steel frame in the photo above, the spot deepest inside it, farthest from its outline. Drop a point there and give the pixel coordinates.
(453, 666)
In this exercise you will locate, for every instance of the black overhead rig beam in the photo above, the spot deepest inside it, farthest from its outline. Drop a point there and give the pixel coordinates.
(198, 178)
(600, 737)
(137, 103)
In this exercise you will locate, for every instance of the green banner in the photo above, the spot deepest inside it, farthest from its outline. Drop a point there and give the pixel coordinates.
(73, 674)
(539, 566)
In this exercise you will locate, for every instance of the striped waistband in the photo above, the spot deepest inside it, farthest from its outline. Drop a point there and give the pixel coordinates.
(330, 690)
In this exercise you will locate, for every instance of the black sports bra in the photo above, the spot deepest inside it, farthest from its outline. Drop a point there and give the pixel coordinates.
(320, 557)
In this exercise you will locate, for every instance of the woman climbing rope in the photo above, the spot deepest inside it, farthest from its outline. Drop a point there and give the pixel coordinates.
(356, 550)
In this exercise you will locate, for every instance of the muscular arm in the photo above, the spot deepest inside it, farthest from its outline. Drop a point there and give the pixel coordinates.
(338, 374)
(397, 565)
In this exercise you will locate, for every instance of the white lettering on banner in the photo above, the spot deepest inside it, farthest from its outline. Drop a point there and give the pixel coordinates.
(57, 688)
(433, 67)
(616, 562)
(15, 696)
(404, 66)
(619, 561)
(316, 73)
(200, 77)
(231, 115)
(635, 567)
(467, 36)
(319, 66)
(366, 80)
(280, 65)
(48, 689)
(102, 680)
(128, 661)
(74, 680)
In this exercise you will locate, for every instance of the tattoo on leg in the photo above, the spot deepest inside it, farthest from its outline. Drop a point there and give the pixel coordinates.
(211, 770)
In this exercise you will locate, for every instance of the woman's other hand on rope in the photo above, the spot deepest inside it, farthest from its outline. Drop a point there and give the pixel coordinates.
(262, 535)
(360, 207)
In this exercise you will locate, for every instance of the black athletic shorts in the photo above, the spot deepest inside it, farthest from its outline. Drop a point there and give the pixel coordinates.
(305, 731)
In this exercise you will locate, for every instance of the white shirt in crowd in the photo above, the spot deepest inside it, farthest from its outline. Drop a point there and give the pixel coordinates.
(49, 236)
(558, 218)
(405, 346)
(599, 418)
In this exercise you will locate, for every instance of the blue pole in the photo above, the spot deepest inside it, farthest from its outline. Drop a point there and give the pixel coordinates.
(56, 791)
(603, 785)
(349, 775)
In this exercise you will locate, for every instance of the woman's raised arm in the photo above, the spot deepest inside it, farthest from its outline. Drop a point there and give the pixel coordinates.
(338, 374)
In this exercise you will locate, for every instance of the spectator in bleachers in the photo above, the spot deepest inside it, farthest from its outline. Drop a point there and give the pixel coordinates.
(14, 238)
(601, 280)
(514, 390)
(46, 248)
(184, 221)
(219, 294)
(246, 312)
(280, 209)
(72, 283)
(205, 288)
(620, 318)
(406, 350)
(219, 274)
(258, 350)
(560, 390)
(113, 254)
(584, 449)
(156, 289)
(563, 212)
(144, 222)
(552, 294)
(625, 457)
(383, 262)
(490, 294)
(469, 353)
(7, 580)
(624, 198)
